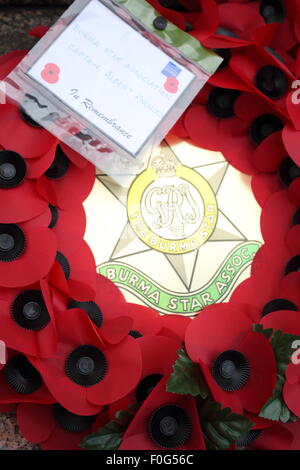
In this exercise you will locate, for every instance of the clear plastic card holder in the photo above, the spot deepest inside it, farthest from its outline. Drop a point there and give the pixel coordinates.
(110, 78)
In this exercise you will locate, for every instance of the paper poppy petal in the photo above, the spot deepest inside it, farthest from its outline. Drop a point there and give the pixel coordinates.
(293, 109)
(36, 422)
(208, 20)
(28, 141)
(81, 284)
(269, 154)
(205, 342)
(70, 219)
(159, 354)
(295, 431)
(179, 129)
(237, 147)
(276, 219)
(8, 395)
(227, 78)
(290, 287)
(34, 263)
(7, 408)
(259, 388)
(248, 106)
(124, 371)
(174, 326)
(75, 157)
(277, 437)
(145, 320)
(36, 167)
(115, 330)
(291, 138)
(71, 189)
(263, 186)
(140, 441)
(226, 399)
(294, 191)
(70, 395)
(202, 128)
(64, 440)
(240, 17)
(9, 61)
(287, 321)
(292, 240)
(291, 397)
(47, 337)
(292, 373)
(20, 203)
(139, 425)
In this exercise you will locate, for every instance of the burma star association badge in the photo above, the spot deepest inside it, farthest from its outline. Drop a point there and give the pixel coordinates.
(181, 236)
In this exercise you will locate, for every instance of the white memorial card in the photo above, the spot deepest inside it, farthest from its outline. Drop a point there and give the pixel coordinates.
(112, 76)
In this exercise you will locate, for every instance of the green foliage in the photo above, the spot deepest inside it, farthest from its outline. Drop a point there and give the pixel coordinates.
(222, 428)
(187, 378)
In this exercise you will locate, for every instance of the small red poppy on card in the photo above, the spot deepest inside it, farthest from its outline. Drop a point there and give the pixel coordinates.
(50, 73)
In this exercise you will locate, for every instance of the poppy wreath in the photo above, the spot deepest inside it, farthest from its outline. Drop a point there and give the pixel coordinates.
(87, 370)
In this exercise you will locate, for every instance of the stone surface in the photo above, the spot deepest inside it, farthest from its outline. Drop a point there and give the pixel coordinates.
(10, 437)
(16, 22)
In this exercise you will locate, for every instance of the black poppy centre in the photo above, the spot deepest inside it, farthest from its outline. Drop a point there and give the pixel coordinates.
(12, 242)
(86, 366)
(71, 422)
(29, 310)
(231, 370)
(170, 426)
(21, 376)
(13, 169)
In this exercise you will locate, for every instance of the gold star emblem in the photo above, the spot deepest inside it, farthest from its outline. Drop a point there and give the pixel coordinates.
(183, 233)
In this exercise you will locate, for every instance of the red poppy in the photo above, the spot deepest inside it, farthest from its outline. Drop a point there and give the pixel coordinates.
(66, 184)
(20, 382)
(72, 274)
(236, 27)
(14, 187)
(87, 373)
(50, 73)
(55, 428)
(108, 310)
(165, 421)
(225, 77)
(146, 321)
(266, 435)
(201, 121)
(254, 131)
(268, 76)
(159, 354)
(27, 320)
(27, 253)
(61, 220)
(264, 185)
(238, 364)
(28, 140)
(282, 14)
